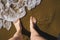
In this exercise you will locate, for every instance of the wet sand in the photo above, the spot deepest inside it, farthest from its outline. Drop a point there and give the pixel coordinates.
(47, 15)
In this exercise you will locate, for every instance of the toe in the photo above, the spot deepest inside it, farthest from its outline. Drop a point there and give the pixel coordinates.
(34, 20)
(31, 21)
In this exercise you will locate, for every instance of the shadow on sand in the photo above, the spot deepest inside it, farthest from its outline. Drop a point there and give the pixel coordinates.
(43, 34)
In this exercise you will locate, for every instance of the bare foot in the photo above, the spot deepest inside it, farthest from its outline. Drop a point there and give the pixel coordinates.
(34, 33)
(18, 34)
(17, 25)
(32, 22)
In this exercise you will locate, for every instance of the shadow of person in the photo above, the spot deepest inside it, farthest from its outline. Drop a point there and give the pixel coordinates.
(24, 31)
(43, 34)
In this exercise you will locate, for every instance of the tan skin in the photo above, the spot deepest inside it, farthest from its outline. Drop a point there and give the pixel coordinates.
(18, 35)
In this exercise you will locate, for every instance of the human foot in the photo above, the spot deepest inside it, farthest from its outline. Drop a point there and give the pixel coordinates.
(17, 25)
(18, 34)
(34, 34)
(32, 22)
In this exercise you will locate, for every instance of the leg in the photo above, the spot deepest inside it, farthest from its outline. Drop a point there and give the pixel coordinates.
(34, 33)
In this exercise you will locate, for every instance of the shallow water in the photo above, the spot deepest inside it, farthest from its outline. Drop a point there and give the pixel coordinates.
(48, 19)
